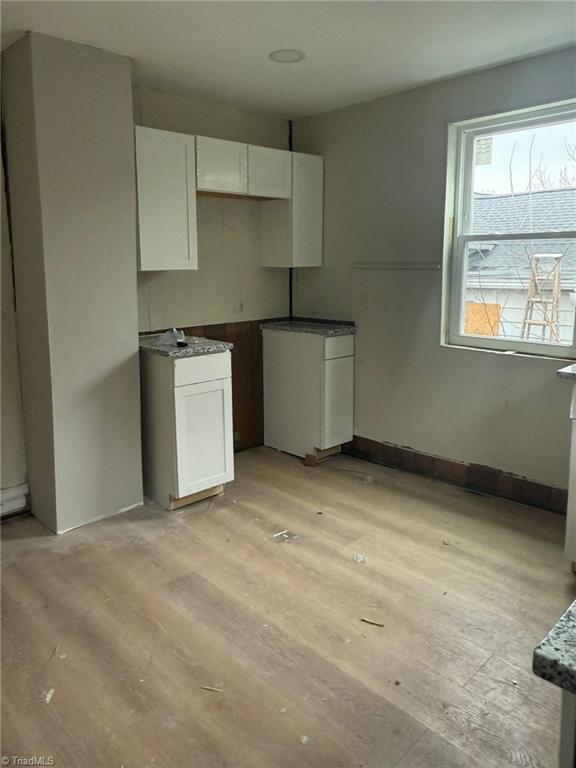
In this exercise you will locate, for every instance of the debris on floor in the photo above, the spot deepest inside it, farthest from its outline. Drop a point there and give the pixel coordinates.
(303, 739)
(397, 682)
(366, 478)
(371, 621)
(212, 688)
(358, 557)
(54, 652)
(446, 542)
(284, 536)
(47, 695)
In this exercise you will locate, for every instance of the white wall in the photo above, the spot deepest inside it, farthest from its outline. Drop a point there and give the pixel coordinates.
(385, 169)
(70, 151)
(230, 285)
(13, 471)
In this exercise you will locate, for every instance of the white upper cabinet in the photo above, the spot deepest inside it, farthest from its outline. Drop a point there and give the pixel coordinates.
(269, 172)
(291, 230)
(166, 183)
(307, 209)
(172, 167)
(221, 166)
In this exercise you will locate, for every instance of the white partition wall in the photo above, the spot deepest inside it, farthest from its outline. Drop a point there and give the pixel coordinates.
(70, 147)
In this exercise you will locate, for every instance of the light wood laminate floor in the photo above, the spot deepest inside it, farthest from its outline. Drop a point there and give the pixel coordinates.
(110, 632)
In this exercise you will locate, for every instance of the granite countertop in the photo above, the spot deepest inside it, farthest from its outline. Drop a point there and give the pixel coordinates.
(301, 326)
(567, 373)
(196, 346)
(555, 658)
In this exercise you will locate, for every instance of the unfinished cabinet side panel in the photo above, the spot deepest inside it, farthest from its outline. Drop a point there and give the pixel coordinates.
(307, 210)
(158, 428)
(338, 400)
(292, 391)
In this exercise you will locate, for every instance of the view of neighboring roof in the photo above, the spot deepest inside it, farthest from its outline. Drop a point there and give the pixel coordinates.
(507, 264)
(547, 209)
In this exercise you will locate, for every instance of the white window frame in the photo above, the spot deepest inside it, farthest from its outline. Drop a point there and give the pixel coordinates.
(458, 217)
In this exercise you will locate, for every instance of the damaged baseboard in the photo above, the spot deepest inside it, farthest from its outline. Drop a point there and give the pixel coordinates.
(474, 477)
(14, 500)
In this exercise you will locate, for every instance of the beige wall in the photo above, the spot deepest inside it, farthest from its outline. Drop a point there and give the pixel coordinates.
(70, 145)
(13, 470)
(385, 168)
(230, 285)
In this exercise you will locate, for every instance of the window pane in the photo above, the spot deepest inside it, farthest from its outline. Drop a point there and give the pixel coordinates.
(525, 180)
(520, 290)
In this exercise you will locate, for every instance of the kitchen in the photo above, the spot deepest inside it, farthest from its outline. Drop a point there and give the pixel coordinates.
(286, 243)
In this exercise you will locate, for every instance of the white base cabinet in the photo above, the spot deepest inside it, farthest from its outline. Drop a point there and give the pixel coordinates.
(187, 436)
(308, 391)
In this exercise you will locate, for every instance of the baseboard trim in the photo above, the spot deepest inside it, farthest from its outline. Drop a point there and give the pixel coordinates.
(473, 477)
(14, 500)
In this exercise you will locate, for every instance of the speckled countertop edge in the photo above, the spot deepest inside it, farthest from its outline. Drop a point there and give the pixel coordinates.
(555, 658)
(299, 326)
(197, 346)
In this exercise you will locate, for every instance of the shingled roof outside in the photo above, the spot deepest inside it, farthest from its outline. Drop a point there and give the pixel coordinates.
(497, 264)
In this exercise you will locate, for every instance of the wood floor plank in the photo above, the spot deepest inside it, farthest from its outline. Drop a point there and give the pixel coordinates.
(433, 751)
(129, 620)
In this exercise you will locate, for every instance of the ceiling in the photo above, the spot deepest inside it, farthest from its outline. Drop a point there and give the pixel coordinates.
(355, 51)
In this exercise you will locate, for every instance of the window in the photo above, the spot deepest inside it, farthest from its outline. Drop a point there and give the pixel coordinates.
(510, 267)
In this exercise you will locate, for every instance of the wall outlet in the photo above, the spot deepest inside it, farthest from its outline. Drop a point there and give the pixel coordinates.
(364, 297)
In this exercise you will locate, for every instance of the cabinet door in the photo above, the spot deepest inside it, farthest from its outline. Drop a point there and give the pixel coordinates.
(221, 166)
(307, 209)
(269, 172)
(166, 183)
(338, 406)
(204, 438)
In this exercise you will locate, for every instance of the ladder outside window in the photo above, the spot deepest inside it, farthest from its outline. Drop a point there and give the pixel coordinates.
(543, 300)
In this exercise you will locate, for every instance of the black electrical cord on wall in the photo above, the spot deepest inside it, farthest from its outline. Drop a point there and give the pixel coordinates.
(290, 270)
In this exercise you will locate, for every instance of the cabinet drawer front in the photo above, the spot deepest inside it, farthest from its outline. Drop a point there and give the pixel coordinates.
(193, 370)
(338, 346)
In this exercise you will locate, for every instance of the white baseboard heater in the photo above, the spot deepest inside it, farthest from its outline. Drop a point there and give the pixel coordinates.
(15, 499)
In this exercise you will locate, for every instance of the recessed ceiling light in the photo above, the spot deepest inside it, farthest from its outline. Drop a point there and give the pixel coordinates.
(287, 56)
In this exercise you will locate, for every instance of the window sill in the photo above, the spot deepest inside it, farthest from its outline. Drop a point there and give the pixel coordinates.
(507, 352)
